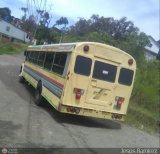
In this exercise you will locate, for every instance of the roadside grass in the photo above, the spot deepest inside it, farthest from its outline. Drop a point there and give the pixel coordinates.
(143, 118)
(144, 107)
(12, 47)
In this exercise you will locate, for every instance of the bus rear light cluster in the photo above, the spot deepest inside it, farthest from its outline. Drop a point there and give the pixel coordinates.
(78, 92)
(119, 101)
(73, 109)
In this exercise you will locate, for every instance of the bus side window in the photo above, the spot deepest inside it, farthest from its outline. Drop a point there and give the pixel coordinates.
(27, 55)
(41, 58)
(30, 56)
(35, 57)
(49, 60)
(59, 63)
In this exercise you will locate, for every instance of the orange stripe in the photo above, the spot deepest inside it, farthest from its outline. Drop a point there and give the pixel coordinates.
(49, 78)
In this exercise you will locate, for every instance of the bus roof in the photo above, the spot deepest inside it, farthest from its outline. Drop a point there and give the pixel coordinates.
(69, 47)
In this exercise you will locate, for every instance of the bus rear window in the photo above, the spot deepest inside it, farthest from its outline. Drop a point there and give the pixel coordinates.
(104, 71)
(83, 65)
(126, 76)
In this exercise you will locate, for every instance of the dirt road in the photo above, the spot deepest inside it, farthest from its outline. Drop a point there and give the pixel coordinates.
(23, 124)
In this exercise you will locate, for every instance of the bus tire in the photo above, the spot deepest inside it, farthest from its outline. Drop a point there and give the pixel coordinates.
(21, 79)
(38, 96)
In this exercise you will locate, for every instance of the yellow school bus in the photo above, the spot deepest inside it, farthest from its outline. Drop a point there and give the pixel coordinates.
(85, 78)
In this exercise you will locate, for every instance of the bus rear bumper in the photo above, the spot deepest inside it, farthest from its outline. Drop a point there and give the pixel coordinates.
(90, 113)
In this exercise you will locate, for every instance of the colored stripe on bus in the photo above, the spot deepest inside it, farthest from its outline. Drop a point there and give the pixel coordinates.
(51, 79)
(50, 85)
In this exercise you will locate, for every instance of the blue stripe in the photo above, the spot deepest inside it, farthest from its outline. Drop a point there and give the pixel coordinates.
(51, 86)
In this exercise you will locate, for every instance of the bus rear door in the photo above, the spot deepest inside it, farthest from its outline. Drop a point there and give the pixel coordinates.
(101, 87)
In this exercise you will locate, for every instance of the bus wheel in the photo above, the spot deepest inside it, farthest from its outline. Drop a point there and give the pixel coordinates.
(21, 79)
(38, 96)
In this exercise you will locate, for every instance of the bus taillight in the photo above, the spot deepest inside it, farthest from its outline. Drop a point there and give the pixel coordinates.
(119, 100)
(78, 93)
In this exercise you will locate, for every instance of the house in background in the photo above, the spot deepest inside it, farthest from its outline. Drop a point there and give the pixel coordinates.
(151, 50)
(11, 33)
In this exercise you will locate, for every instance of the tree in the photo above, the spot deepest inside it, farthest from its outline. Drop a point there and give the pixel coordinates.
(118, 29)
(45, 17)
(25, 13)
(42, 34)
(119, 33)
(62, 21)
(5, 13)
(29, 24)
(158, 55)
(82, 27)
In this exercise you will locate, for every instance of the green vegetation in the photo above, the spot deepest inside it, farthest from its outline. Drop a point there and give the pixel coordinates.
(142, 118)
(11, 48)
(144, 109)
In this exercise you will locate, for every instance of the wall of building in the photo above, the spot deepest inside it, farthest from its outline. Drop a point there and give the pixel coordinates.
(6, 29)
(151, 50)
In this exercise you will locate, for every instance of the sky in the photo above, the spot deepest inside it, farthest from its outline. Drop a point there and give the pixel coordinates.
(145, 14)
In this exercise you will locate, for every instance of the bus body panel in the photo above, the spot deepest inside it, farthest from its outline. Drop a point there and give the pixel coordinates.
(46, 93)
(99, 95)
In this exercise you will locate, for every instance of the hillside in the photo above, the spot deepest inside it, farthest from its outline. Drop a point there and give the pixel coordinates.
(11, 48)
